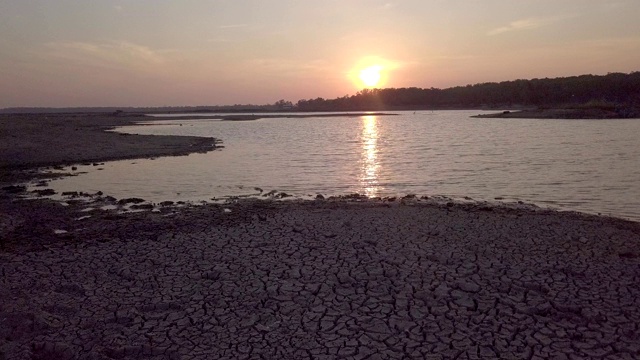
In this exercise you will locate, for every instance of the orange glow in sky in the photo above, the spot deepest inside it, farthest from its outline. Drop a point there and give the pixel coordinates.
(157, 53)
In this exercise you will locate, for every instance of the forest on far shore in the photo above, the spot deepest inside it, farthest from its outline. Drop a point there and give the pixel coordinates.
(617, 92)
(611, 90)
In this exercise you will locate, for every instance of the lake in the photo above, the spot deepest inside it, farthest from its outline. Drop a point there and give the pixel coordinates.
(584, 165)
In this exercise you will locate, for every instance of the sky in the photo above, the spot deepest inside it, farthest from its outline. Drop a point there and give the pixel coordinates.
(221, 52)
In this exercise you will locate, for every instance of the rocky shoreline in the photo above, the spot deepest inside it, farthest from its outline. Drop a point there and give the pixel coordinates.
(323, 279)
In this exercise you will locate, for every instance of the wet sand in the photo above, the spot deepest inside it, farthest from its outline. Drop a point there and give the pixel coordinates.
(320, 279)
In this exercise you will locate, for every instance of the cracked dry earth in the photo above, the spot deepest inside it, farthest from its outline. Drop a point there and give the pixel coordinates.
(352, 281)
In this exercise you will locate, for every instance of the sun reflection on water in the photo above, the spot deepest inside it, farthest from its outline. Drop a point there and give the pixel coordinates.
(370, 165)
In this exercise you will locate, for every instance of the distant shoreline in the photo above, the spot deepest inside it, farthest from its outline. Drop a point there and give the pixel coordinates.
(249, 117)
(594, 114)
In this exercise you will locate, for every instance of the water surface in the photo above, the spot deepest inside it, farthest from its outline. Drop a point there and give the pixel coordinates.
(584, 165)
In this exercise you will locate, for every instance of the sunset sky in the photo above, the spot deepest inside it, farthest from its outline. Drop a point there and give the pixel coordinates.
(216, 52)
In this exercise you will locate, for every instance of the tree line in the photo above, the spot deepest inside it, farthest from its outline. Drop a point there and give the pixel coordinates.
(613, 89)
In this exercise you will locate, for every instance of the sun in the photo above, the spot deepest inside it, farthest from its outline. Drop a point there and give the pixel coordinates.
(370, 76)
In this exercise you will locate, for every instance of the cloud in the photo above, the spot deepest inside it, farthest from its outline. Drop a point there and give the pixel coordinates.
(528, 24)
(287, 66)
(118, 8)
(614, 5)
(120, 54)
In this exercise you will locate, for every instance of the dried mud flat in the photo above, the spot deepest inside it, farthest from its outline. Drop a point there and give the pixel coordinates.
(320, 280)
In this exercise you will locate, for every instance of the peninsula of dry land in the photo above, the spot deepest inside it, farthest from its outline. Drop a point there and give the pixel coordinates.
(324, 279)
(29, 141)
(564, 113)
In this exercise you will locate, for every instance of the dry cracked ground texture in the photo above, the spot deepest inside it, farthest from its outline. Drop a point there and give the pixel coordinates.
(367, 283)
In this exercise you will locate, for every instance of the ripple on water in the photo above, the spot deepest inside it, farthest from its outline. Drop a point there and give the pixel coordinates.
(447, 152)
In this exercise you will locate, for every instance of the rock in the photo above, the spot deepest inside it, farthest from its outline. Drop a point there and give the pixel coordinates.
(142, 206)
(354, 196)
(15, 189)
(130, 201)
(45, 192)
(166, 203)
(319, 197)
